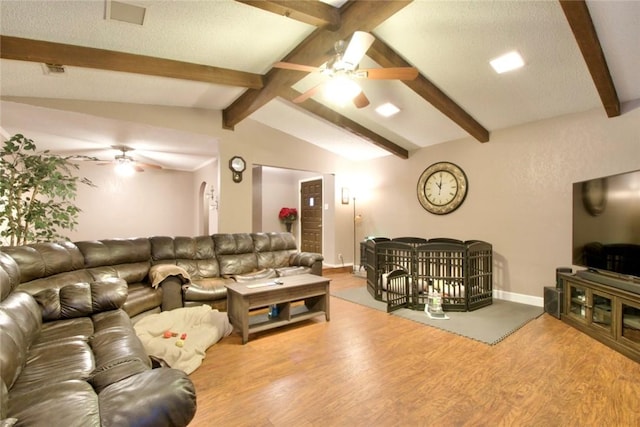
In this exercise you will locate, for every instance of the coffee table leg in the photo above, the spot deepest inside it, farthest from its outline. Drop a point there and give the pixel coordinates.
(245, 321)
(327, 310)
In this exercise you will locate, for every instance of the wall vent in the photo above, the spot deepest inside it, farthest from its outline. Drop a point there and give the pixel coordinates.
(124, 12)
(49, 68)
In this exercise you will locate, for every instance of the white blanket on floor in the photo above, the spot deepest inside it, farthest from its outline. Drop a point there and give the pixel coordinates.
(203, 326)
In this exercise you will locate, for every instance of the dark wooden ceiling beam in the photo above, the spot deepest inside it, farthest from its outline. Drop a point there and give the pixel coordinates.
(316, 13)
(387, 57)
(64, 54)
(345, 123)
(355, 15)
(579, 19)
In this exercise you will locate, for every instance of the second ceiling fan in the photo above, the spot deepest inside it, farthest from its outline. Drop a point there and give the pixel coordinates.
(343, 69)
(125, 164)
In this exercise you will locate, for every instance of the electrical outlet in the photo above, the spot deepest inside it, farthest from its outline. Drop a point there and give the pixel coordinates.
(340, 258)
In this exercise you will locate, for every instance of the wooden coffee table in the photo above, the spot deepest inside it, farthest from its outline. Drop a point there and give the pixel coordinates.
(244, 301)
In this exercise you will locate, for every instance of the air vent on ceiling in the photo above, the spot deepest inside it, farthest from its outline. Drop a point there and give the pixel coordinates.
(124, 12)
(53, 68)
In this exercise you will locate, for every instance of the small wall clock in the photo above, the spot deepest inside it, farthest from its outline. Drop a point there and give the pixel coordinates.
(237, 166)
(442, 188)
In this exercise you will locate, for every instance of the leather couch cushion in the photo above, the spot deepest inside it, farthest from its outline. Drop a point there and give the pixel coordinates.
(24, 310)
(267, 273)
(9, 275)
(292, 271)
(230, 244)
(118, 352)
(45, 259)
(231, 265)
(110, 319)
(142, 297)
(49, 405)
(82, 299)
(206, 289)
(65, 330)
(54, 363)
(273, 250)
(114, 251)
(56, 281)
(18, 329)
(235, 254)
(200, 247)
(131, 272)
(196, 255)
(162, 248)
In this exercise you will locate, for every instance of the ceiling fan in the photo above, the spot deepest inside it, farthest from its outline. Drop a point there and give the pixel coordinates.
(125, 164)
(343, 68)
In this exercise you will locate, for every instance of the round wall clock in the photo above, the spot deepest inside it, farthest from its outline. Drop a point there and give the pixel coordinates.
(594, 195)
(442, 188)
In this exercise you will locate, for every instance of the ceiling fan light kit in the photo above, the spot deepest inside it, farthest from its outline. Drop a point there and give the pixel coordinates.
(341, 90)
(342, 69)
(124, 166)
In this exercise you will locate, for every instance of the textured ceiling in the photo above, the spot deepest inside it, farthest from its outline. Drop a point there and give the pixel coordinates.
(450, 42)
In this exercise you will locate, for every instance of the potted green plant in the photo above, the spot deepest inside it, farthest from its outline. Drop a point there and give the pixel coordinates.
(37, 190)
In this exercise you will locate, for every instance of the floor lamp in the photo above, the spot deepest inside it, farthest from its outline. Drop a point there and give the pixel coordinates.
(355, 242)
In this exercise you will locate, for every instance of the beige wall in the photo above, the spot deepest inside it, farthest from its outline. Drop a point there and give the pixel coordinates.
(519, 195)
(146, 204)
(280, 188)
(519, 192)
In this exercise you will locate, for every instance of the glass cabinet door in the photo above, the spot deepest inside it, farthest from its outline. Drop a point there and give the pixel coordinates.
(577, 301)
(601, 311)
(630, 325)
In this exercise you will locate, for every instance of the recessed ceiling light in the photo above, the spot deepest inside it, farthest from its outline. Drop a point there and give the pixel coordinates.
(507, 62)
(387, 109)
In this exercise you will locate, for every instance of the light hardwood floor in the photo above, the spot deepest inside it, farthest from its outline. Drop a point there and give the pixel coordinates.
(368, 368)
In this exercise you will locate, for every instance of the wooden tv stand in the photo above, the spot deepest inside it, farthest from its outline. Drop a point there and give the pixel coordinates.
(608, 313)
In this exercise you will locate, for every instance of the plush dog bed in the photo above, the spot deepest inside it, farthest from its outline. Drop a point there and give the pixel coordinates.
(202, 325)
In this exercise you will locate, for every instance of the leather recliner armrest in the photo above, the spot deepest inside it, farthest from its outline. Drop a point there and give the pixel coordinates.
(160, 397)
(171, 293)
(307, 259)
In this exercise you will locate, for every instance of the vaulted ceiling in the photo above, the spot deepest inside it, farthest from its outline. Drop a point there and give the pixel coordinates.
(220, 54)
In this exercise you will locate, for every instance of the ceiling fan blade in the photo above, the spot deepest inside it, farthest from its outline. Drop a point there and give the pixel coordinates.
(358, 46)
(295, 67)
(399, 73)
(361, 100)
(148, 165)
(308, 94)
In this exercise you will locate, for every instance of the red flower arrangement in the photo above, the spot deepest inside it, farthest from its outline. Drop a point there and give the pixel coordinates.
(288, 214)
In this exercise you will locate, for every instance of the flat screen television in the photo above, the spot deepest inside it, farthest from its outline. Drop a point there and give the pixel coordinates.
(606, 225)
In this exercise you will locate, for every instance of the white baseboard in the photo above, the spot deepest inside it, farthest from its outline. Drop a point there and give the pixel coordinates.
(325, 265)
(521, 298)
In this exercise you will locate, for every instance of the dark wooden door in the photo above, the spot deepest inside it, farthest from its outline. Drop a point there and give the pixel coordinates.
(311, 216)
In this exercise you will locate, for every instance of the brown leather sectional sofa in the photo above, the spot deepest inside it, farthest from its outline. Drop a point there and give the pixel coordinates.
(69, 357)
(68, 352)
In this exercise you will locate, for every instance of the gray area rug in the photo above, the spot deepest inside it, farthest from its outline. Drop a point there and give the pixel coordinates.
(489, 324)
